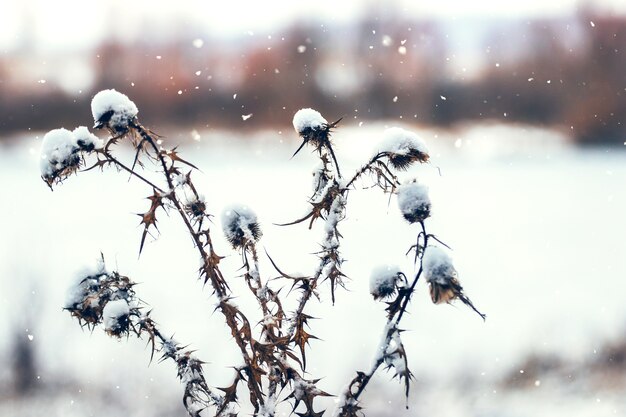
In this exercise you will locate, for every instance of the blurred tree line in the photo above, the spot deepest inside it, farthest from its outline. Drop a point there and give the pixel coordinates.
(565, 72)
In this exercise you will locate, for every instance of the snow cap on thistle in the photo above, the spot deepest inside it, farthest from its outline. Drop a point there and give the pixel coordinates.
(86, 140)
(384, 280)
(440, 275)
(59, 155)
(240, 225)
(307, 120)
(60, 152)
(402, 148)
(414, 202)
(114, 110)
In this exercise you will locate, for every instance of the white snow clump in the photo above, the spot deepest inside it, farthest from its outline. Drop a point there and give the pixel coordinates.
(438, 267)
(240, 225)
(414, 202)
(383, 281)
(113, 313)
(87, 140)
(401, 141)
(308, 119)
(113, 109)
(60, 151)
(402, 147)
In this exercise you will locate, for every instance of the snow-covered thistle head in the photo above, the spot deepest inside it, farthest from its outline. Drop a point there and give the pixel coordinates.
(114, 110)
(195, 206)
(315, 130)
(402, 148)
(414, 202)
(104, 297)
(440, 275)
(384, 281)
(240, 226)
(438, 269)
(61, 152)
(59, 155)
(442, 278)
(308, 121)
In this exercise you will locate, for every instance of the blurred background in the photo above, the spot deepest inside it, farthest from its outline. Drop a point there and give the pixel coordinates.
(522, 106)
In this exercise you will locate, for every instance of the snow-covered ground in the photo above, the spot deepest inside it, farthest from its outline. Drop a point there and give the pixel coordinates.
(538, 236)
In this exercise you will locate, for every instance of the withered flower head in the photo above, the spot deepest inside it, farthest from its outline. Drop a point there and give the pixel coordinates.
(312, 127)
(240, 226)
(440, 275)
(402, 148)
(384, 281)
(61, 152)
(84, 296)
(414, 202)
(195, 206)
(114, 110)
(442, 278)
(307, 120)
(60, 156)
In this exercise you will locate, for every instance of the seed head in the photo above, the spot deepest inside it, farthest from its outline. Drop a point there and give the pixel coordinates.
(440, 275)
(240, 226)
(414, 202)
(113, 110)
(60, 155)
(384, 281)
(402, 148)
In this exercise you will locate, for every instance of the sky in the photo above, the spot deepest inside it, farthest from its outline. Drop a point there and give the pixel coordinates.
(76, 24)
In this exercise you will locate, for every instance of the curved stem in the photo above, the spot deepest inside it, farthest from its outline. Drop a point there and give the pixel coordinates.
(216, 277)
(417, 276)
(362, 379)
(362, 170)
(132, 172)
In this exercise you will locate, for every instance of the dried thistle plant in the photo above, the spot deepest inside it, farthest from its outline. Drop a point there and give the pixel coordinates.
(273, 349)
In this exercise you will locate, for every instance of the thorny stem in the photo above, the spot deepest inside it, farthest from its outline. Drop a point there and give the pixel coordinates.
(132, 172)
(165, 343)
(215, 277)
(332, 154)
(362, 170)
(304, 299)
(312, 283)
(419, 272)
(380, 358)
(254, 277)
(388, 176)
(363, 379)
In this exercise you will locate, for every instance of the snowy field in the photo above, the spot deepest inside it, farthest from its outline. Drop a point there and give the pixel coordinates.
(536, 226)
